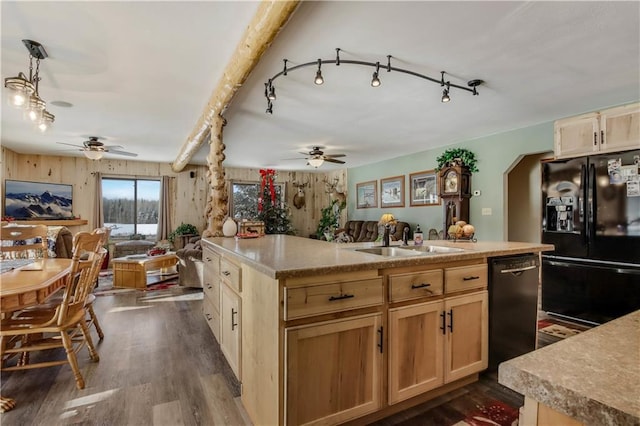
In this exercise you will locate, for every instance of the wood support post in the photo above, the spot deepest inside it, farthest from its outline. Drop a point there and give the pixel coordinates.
(217, 207)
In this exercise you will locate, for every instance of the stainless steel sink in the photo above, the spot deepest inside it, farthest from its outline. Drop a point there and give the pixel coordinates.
(389, 251)
(432, 249)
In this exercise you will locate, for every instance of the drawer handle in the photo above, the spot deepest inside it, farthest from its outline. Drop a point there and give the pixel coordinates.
(226, 273)
(423, 285)
(234, 324)
(342, 296)
(470, 278)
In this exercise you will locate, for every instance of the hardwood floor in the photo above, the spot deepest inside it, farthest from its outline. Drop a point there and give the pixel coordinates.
(160, 365)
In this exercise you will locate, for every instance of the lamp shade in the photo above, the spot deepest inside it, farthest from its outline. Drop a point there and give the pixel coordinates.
(316, 162)
(387, 218)
(93, 154)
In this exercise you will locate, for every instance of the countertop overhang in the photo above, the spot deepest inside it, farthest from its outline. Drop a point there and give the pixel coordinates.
(593, 377)
(286, 256)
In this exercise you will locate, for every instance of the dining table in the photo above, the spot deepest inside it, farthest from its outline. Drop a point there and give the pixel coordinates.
(27, 284)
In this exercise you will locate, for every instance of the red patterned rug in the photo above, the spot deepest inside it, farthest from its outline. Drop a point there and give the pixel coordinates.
(492, 413)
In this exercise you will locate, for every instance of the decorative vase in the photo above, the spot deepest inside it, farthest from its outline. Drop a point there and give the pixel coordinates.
(229, 227)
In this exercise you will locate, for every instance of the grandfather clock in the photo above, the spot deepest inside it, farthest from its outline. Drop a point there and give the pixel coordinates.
(455, 191)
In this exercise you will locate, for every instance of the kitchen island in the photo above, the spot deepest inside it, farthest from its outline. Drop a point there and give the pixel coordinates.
(324, 333)
(592, 378)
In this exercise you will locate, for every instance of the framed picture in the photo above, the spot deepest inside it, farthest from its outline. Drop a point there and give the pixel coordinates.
(38, 200)
(424, 188)
(367, 194)
(392, 192)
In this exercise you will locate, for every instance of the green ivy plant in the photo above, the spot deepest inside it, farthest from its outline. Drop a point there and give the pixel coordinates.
(450, 156)
(329, 221)
(183, 229)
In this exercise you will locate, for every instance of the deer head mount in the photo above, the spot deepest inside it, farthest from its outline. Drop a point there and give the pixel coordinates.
(298, 198)
(331, 188)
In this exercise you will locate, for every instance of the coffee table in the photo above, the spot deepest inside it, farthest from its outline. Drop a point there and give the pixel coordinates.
(131, 271)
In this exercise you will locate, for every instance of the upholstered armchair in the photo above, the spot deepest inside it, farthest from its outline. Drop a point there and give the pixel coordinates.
(190, 266)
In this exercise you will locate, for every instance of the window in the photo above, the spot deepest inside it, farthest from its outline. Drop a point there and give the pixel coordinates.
(131, 206)
(244, 199)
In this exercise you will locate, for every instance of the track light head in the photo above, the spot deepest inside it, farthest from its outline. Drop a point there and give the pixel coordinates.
(272, 93)
(445, 96)
(319, 80)
(375, 81)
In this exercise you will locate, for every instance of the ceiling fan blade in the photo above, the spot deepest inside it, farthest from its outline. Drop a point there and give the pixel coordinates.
(297, 158)
(335, 155)
(70, 144)
(331, 160)
(112, 146)
(114, 151)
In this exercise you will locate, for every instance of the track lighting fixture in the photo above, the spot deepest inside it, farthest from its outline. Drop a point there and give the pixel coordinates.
(24, 92)
(270, 93)
(319, 80)
(375, 81)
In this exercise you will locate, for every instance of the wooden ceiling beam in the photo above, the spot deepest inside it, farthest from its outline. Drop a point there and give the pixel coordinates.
(269, 19)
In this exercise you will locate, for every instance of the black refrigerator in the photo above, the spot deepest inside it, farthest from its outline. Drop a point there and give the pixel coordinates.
(591, 213)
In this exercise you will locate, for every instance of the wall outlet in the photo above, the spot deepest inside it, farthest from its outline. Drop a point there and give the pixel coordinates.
(476, 193)
(486, 211)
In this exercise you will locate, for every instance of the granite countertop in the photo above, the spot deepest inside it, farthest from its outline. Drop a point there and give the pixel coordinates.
(593, 377)
(285, 256)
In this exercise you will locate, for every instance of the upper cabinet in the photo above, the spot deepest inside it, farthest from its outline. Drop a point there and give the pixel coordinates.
(614, 129)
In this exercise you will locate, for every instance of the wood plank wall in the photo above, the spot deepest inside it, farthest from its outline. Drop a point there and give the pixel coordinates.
(189, 195)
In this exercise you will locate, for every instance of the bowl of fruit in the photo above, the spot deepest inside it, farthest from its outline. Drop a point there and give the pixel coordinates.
(461, 230)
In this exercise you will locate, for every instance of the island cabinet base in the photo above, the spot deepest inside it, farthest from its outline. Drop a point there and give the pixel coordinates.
(536, 413)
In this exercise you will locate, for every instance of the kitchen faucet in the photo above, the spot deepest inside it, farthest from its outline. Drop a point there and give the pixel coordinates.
(385, 236)
(405, 236)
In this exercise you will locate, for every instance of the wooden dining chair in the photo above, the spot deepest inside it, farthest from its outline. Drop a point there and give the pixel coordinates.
(62, 326)
(24, 242)
(92, 319)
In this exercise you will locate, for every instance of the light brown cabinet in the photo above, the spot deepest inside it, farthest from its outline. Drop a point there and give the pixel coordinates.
(230, 327)
(211, 290)
(231, 314)
(334, 370)
(614, 129)
(437, 342)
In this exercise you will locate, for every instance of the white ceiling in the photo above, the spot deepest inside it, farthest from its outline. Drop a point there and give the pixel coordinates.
(140, 73)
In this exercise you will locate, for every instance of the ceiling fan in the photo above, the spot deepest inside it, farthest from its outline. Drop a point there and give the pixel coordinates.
(94, 149)
(316, 157)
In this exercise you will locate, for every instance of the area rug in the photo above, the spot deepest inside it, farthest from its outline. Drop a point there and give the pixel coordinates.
(492, 413)
(557, 330)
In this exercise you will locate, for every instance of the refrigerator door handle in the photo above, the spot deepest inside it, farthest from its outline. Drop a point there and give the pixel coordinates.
(591, 195)
(583, 204)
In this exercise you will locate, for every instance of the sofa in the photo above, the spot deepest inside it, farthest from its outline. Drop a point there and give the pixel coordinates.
(359, 231)
(190, 265)
(60, 241)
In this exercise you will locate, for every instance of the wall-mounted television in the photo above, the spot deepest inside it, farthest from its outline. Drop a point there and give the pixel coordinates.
(37, 200)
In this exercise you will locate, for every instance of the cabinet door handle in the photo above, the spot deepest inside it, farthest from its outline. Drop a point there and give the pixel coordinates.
(380, 330)
(208, 317)
(342, 296)
(595, 138)
(226, 273)
(423, 285)
(209, 286)
(450, 313)
(208, 259)
(443, 327)
(470, 278)
(234, 324)
(601, 137)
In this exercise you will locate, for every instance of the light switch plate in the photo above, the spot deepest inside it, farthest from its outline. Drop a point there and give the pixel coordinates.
(486, 211)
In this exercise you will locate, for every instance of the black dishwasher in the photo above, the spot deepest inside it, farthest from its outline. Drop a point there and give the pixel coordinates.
(513, 307)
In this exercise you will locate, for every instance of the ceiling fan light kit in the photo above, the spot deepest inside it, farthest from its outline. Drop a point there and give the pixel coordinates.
(23, 91)
(316, 157)
(269, 92)
(93, 149)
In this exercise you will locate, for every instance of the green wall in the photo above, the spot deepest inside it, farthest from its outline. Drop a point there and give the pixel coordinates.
(496, 155)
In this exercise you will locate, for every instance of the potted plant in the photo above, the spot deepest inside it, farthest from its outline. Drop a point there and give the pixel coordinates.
(183, 229)
(329, 221)
(457, 156)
